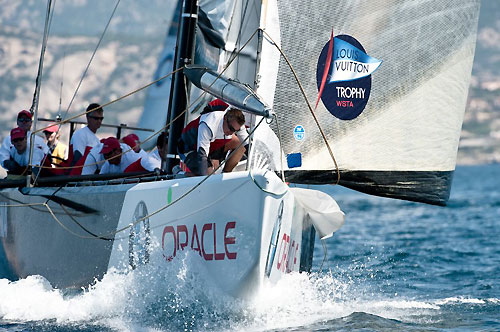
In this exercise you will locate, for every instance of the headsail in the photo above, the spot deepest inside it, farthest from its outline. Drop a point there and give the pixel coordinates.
(394, 131)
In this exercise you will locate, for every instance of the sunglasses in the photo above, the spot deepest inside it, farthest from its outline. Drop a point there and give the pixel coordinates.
(96, 117)
(16, 140)
(24, 120)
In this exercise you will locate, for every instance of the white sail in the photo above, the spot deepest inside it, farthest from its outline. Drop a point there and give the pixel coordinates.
(393, 132)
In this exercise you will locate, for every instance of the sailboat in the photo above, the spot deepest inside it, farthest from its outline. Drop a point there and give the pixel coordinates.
(369, 95)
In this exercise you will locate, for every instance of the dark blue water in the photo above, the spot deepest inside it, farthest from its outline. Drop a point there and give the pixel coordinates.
(394, 266)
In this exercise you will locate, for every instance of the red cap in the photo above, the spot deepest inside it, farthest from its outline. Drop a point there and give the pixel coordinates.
(52, 129)
(24, 113)
(109, 144)
(17, 133)
(131, 140)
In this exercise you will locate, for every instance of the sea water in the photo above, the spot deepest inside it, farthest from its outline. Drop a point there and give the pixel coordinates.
(394, 266)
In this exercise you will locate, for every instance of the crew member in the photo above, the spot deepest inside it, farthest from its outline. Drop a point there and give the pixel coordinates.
(117, 160)
(132, 140)
(19, 154)
(207, 140)
(85, 138)
(24, 121)
(58, 149)
(152, 160)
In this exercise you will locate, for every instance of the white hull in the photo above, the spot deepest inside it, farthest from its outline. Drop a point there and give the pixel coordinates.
(244, 228)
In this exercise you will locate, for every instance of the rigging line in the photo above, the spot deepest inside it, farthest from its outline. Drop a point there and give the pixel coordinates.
(58, 117)
(242, 17)
(307, 102)
(22, 205)
(92, 57)
(64, 226)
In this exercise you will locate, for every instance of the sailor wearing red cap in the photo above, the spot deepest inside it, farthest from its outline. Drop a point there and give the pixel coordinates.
(117, 156)
(24, 121)
(133, 141)
(19, 153)
(58, 150)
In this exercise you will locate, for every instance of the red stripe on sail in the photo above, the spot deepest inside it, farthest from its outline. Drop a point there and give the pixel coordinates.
(327, 68)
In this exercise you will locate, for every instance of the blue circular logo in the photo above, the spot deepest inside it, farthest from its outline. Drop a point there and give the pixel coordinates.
(299, 133)
(345, 88)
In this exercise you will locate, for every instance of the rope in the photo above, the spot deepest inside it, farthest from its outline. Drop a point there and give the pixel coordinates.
(307, 102)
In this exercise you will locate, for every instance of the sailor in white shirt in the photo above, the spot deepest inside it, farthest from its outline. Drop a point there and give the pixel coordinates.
(86, 137)
(116, 162)
(206, 140)
(19, 153)
(24, 121)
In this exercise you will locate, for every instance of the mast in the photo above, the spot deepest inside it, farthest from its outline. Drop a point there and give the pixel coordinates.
(184, 54)
(36, 95)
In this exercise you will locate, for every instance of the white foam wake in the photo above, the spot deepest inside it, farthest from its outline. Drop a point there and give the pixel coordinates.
(157, 299)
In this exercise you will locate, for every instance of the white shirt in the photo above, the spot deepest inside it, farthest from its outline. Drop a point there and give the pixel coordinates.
(142, 153)
(211, 128)
(23, 158)
(127, 159)
(151, 161)
(5, 149)
(94, 160)
(82, 138)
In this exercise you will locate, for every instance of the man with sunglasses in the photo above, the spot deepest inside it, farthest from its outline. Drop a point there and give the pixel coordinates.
(84, 139)
(24, 121)
(19, 153)
(208, 139)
